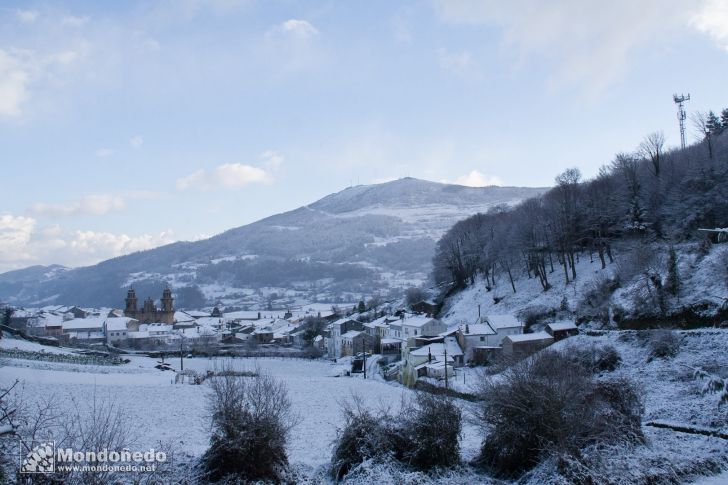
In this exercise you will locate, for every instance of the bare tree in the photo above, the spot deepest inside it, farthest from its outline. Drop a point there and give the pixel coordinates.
(702, 127)
(652, 148)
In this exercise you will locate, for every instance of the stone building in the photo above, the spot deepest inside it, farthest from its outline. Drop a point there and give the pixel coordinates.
(149, 313)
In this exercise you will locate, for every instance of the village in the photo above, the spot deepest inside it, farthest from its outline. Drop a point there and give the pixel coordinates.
(401, 342)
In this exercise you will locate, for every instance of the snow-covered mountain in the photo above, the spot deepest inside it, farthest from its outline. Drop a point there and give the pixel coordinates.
(364, 239)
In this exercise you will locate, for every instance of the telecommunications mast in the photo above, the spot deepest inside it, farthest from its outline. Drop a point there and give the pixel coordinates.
(679, 100)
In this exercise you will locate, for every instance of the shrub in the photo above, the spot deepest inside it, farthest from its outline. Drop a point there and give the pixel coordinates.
(594, 358)
(546, 405)
(424, 435)
(428, 432)
(663, 344)
(251, 420)
(364, 436)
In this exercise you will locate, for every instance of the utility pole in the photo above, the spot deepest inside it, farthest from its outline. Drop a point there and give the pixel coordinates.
(679, 100)
(181, 362)
(364, 348)
(444, 344)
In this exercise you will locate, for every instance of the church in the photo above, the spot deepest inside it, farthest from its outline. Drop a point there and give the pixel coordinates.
(149, 313)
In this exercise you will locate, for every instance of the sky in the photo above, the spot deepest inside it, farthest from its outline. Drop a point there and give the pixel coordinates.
(127, 125)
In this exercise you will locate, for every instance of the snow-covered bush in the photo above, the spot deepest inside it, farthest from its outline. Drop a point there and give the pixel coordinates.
(365, 435)
(251, 421)
(428, 432)
(594, 358)
(663, 344)
(548, 404)
(595, 299)
(424, 435)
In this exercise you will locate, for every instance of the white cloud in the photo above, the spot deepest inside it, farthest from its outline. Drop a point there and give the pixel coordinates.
(459, 63)
(15, 233)
(229, 175)
(74, 21)
(96, 204)
(66, 57)
(95, 246)
(712, 19)
(136, 141)
(477, 179)
(14, 79)
(27, 16)
(233, 175)
(104, 152)
(24, 243)
(587, 42)
(21, 69)
(272, 160)
(298, 28)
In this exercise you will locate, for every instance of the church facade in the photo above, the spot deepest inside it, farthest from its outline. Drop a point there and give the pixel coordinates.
(149, 313)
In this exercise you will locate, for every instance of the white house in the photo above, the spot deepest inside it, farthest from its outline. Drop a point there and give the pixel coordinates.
(84, 329)
(422, 361)
(412, 327)
(481, 339)
(118, 328)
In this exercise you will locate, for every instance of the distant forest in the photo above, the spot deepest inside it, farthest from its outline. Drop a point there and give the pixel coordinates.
(653, 194)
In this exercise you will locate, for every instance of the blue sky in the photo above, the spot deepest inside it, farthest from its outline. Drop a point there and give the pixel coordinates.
(125, 125)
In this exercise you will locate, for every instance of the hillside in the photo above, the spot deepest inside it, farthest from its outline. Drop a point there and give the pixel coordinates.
(641, 243)
(362, 240)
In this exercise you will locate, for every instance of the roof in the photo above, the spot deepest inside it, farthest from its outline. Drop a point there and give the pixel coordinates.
(558, 326)
(453, 349)
(351, 334)
(503, 321)
(183, 317)
(83, 324)
(209, 321)
(418, 321)
(390, 341)
(197, 313)
(114, 324)
(529, 337)
(477, 329)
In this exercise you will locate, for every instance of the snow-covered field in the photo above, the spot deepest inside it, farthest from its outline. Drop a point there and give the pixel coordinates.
(161, 411)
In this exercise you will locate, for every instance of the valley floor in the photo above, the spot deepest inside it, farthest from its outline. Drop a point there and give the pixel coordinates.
(176, 413)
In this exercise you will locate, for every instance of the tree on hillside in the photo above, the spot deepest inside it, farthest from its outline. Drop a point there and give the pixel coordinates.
(713, 123)
(724, 118)
(700, 122)
(652, 148)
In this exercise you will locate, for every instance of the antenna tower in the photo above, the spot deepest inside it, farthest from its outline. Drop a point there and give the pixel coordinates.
(679, 100)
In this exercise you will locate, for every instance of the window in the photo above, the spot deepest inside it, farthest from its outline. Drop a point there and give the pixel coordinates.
(482, 339)
(415, 332)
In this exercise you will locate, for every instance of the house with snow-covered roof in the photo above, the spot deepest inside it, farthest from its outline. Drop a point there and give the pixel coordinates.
(561, 330)
(118, 328)
(419, 362)
(409, 328)
(526, 344)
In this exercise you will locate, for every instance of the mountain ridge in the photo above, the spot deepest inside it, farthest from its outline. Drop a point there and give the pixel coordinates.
(360, 240)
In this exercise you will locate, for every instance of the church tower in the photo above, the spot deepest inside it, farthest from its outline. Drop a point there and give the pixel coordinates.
(131, 303)
(167, 300)
(167, 306)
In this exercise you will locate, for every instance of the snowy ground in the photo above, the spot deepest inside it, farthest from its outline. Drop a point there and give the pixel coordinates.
(176, 413)
(703, 281)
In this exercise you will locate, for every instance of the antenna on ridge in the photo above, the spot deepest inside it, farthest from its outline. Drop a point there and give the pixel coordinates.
(679, 100)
